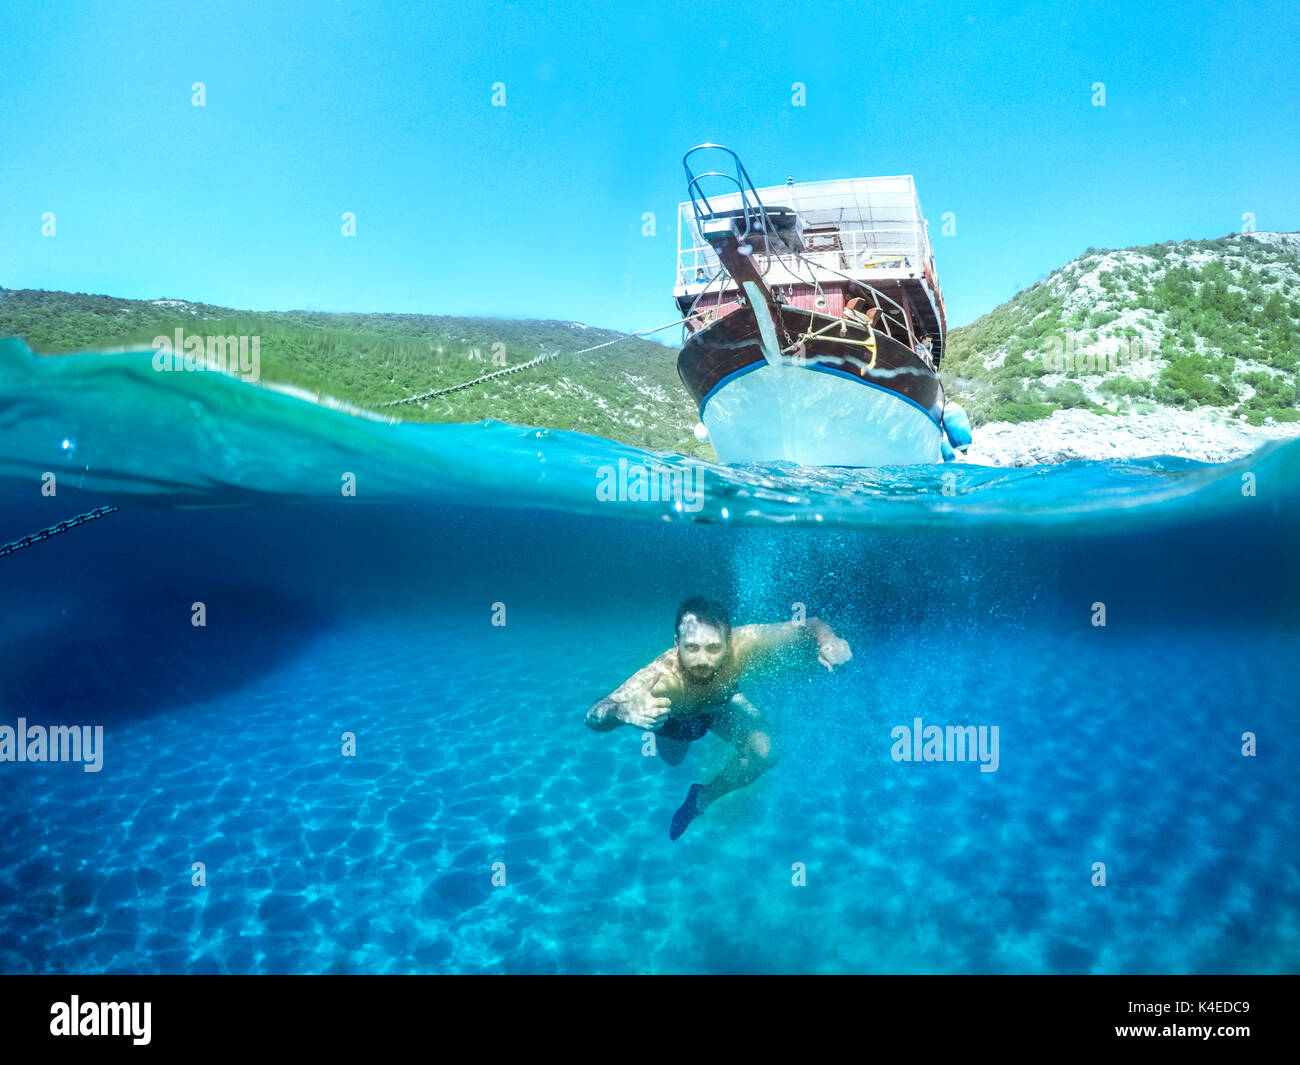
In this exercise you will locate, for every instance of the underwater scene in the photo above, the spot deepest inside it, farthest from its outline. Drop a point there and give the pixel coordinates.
(315, 691)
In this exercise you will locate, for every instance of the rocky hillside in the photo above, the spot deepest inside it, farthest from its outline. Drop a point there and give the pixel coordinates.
(1204, 326)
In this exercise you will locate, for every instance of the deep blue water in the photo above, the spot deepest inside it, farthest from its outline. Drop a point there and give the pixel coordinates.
(373, 615)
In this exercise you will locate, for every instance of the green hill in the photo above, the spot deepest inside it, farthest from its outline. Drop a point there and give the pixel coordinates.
(628, 392)
(1197, 323)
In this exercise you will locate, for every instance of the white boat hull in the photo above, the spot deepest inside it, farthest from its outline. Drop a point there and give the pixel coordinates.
(816, 417)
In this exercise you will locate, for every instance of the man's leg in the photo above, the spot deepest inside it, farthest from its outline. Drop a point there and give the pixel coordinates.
(745, 729)
(670, 750)
(674, 738)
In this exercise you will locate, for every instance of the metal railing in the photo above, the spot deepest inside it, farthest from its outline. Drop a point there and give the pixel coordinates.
(856, 249)
(752, 209)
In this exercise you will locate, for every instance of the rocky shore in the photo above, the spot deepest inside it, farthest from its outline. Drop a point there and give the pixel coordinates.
(1077, 434)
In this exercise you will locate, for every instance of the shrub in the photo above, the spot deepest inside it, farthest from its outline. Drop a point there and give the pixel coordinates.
(1256, 417)
(1186, 382)
(1126, 386)
(1270, 392)
(1068, 394)
(1021, 411)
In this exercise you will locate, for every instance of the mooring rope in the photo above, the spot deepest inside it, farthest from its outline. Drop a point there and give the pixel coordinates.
(527, 365)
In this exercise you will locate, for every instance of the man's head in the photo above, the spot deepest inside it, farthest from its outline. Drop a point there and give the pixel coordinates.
(703, 638)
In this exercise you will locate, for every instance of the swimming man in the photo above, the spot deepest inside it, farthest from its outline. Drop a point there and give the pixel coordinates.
(693, 688)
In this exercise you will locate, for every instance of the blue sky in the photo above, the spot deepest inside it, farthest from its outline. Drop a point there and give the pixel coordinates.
(534, 209)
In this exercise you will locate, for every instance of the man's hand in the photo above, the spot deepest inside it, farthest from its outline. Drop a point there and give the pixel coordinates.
(643, 709)
(833, 651)
(641, 701)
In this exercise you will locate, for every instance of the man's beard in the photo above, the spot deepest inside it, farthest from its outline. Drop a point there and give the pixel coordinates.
(702, 674)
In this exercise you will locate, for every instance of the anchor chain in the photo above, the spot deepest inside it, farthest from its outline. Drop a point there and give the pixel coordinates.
(54, 530)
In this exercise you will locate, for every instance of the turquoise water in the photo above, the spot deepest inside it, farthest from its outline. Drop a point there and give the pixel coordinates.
(968, 600)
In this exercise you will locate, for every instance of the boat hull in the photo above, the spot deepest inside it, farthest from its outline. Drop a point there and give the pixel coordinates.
(830, 405)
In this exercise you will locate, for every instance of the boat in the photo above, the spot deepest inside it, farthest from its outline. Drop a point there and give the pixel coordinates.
(814, 321)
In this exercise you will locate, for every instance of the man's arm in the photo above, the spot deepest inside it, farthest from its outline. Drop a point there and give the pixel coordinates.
(631, 703)
(601, 715)
(832, 651)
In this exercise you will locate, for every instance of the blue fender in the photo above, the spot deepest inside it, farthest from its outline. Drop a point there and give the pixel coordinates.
(956, 424)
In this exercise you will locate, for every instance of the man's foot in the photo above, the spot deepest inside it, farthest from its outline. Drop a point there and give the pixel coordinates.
(686, 813)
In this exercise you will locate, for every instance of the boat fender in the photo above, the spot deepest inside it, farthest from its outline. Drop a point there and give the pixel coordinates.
(946, 450)
(956, 423)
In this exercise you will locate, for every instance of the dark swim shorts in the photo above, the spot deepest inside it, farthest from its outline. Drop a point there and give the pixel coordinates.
(687, 729)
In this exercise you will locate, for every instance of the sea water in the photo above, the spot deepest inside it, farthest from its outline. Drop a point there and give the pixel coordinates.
(370, 756)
